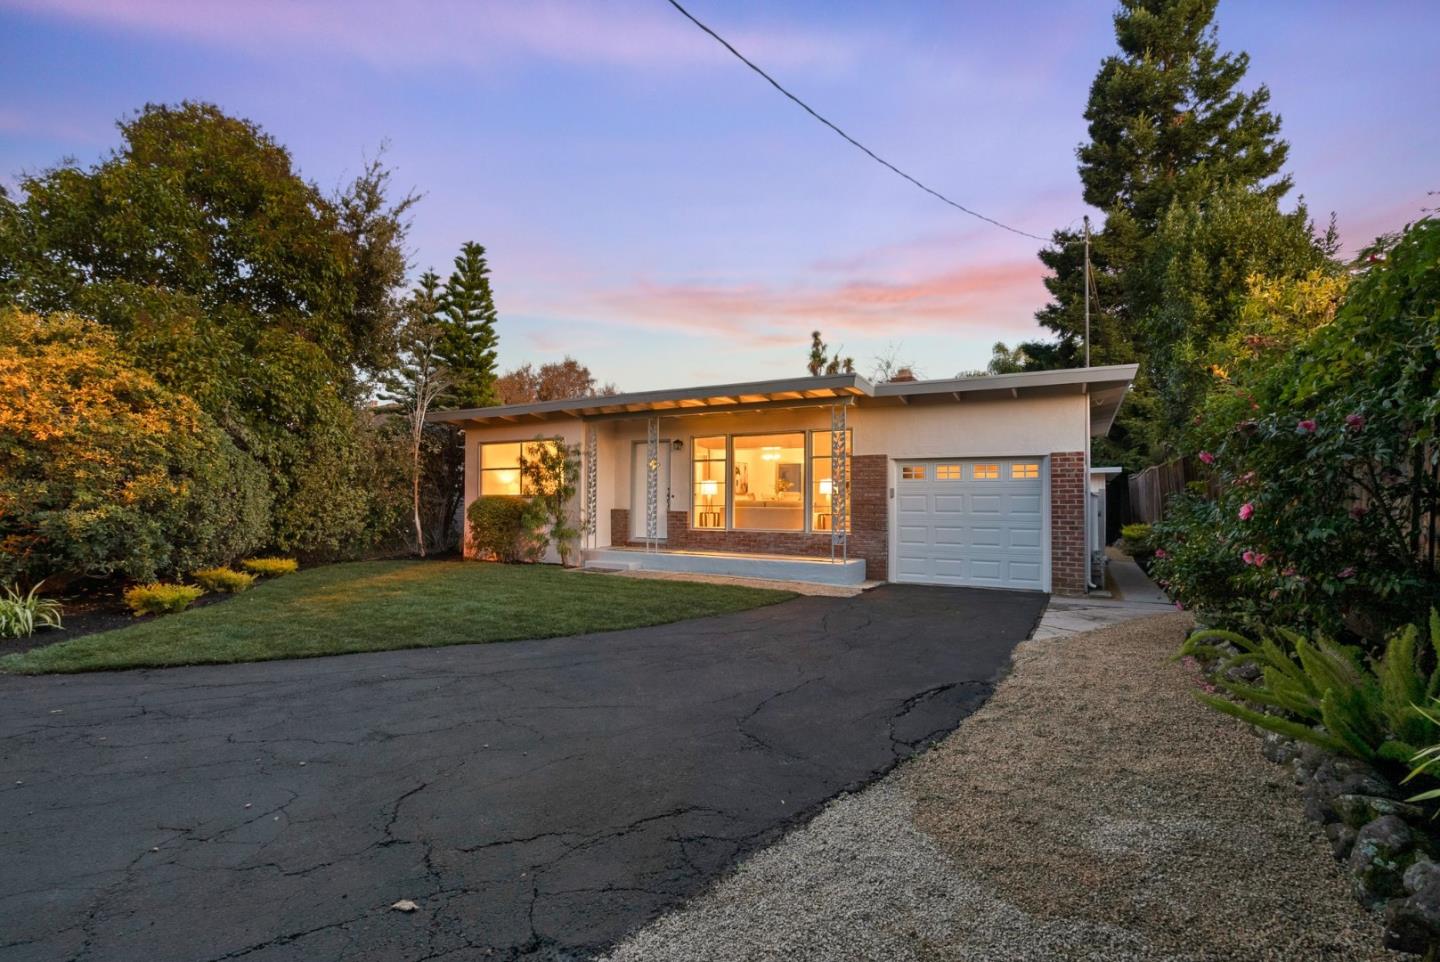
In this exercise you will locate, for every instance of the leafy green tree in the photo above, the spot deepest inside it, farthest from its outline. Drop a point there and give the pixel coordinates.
(418, 381)
(551, 468)
(234, 281)
(470, 343)
(822, 363)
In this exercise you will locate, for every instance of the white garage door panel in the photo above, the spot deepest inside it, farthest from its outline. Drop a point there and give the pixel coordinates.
(979, 525)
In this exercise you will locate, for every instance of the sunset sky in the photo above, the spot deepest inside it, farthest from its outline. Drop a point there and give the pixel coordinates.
(656, 210)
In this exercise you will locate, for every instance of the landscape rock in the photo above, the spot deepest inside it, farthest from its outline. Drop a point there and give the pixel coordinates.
(1336, 776)
(1356, 810)
(1279, 749)
(1413, 924)
(1422, 873)
(1245, 671)
(1342, 839)
(1383, 850)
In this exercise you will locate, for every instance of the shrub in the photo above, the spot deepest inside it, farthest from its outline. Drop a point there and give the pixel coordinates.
(103, 470)
(21, 614)
(160, 599)
(1329, 694)
(1324, 463)
(271, 567)
(498, 525)
(552, 471)
(223, 579)
(1136, 539)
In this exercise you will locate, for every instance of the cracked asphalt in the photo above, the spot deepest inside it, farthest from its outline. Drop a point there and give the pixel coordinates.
(537, 800)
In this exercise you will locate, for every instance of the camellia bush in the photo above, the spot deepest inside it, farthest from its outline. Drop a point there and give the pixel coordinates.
(1322, 505)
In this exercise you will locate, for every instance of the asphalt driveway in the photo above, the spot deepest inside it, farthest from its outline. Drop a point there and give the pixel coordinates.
(535, 799)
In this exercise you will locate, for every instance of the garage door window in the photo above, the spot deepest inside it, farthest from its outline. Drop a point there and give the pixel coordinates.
(987, 472)
(913, 472)
(1024, 472)
(949, 472)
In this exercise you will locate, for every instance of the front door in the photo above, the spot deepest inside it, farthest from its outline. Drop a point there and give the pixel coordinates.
(637, 490)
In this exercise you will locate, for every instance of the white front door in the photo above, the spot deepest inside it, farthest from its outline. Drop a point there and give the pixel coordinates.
(638, 470)
(970, 521)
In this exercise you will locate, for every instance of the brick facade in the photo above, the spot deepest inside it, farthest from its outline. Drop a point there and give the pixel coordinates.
(869, 535)
(1068, 551)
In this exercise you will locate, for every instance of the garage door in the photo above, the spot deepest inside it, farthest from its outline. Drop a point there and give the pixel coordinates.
(970, 522)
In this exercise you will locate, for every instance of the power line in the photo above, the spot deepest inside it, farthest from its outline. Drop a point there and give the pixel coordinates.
(873, 156)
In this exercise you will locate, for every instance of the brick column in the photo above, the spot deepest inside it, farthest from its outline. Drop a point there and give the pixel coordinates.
(1067, 523)
(870, 513)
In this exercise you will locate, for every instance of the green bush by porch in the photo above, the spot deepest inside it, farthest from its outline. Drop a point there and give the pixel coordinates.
(383, 605)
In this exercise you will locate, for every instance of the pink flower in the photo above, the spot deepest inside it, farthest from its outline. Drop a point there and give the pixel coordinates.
(1346, 572)
(1207, 457)
(1248, 557)
(1260, 560)
(1160, 553)
(1179, 606)
(1247, 511)
(1355, 422)
(1307, 426)
(1358, 511)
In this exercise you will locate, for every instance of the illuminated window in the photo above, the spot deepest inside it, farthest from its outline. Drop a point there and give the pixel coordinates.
(1024, 471)
(822, 484)
(500, 466)
(767, 482)
(948, 472)
(987, 472)
(913, 472)
(709, 471)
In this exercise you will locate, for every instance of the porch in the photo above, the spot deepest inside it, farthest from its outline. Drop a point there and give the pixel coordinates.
(846, 572)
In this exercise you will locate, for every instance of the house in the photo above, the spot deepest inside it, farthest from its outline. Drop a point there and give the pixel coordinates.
(980, 481)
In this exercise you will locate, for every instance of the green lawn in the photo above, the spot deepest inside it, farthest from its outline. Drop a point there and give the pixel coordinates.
(381, 605)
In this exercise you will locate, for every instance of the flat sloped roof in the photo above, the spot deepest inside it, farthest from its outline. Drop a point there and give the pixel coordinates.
(1106, 385)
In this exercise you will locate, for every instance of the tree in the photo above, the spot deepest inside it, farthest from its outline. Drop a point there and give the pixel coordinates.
(888, 366)
(419, 380)
(552, 382)
(470, 344)
(1168, 127)
(820, 363)
(551, 468)
(231, 280)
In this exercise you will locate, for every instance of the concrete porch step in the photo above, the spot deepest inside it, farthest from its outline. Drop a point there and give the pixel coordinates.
(768, 567)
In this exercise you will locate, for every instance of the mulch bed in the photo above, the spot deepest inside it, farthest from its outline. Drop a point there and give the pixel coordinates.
(90, 615)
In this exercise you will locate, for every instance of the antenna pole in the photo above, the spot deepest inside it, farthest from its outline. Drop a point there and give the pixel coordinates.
(1087, 290)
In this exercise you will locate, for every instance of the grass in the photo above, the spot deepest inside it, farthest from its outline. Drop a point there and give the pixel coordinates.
(383, 605)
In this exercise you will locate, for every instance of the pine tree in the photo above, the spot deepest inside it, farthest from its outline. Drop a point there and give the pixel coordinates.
(1168, 129)
(1167, 125)
(470, 344)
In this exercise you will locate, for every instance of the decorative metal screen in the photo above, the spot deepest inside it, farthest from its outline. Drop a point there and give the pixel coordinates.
(652, 483)
(591, 461)
(839, 482)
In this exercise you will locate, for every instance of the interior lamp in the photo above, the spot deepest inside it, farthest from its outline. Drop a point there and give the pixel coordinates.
(709, 488)
(825, 487)
(505, 477)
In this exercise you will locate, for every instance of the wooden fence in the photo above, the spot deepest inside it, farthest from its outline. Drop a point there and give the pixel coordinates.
(1151, 488)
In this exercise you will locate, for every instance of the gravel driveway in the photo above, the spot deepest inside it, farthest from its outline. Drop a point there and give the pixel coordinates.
(1091, 810)
(534, 799)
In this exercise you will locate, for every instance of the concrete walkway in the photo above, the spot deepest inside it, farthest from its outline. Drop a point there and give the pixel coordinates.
(1133, 595)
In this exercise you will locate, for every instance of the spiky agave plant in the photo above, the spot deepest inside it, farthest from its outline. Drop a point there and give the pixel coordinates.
(21, 614)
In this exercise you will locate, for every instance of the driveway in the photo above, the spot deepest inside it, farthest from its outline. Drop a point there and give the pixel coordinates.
(536, 800)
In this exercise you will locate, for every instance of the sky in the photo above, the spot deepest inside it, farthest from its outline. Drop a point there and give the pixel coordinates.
(659, 212)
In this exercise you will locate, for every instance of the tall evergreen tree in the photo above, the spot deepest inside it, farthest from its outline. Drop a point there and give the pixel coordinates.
(1168, 129)
(469, 345)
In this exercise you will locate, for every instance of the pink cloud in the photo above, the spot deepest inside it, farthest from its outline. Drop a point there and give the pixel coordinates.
(995, 299)
(452, 31)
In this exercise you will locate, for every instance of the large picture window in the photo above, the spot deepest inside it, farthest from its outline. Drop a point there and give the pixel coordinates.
(768, 482)
(500, 466)
(822, 482)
